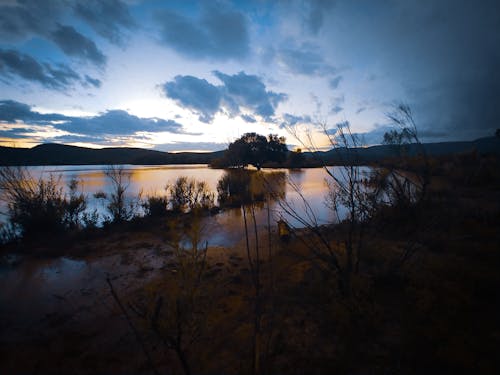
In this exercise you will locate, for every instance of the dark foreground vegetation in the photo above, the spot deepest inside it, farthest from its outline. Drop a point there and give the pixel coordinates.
(406, 283)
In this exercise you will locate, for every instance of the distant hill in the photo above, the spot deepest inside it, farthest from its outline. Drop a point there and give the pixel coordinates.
(57, 154)
(489, 145)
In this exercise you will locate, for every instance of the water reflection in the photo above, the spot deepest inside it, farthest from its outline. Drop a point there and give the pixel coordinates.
(292, 185)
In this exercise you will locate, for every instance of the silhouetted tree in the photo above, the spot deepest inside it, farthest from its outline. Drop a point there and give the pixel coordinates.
(276, 148)
(296, 159)
(255, 149)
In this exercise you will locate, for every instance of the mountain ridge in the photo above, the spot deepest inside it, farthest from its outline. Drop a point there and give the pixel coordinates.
(61, 154)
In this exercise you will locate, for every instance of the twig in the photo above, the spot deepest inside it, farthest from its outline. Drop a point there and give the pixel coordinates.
(132, 326)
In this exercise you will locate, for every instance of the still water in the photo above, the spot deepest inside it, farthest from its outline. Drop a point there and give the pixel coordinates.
(151, 180)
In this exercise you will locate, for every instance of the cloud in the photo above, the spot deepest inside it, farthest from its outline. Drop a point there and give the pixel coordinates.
(75, 138)
(11, 111)
(93, 81)
(75, 44)
(219, 33)
(304, 60)
(248, 91)
(441, 54)
(336, 104)
(196, 94)
(24, 66)
(21, 19)
(248, 118)
(108, 18)
(289, 120)
(336, 109)
(109, 123)
(314, 17)
(464, 109)
(239, 91)
(16, 133)
(372, 137)
(24, 19)
(118, 122)
(334, 82)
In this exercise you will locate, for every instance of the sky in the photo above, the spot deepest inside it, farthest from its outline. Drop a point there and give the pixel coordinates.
(196, 75)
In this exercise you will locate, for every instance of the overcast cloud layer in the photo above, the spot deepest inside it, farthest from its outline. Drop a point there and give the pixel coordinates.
(178, 74)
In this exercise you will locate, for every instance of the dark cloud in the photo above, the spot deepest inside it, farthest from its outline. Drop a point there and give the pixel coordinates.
(75, 44)
(93, 81)
(462, 99)
(109, 123)
(336, 104)
(118, 122)
(335, 82)
(14, 63)
(75, 138)
(305, 60)
(249, 91)
(219, 33)
(248, 118)
(62, 74)
(16, 133)
(196, 94)
(336, 109)
(107, 17)
(376, 135)
(239, 91)
(314, 16)
(24, 66)
(443, 54)
(290, 120)
(20, 19)
(465, 109)
(12, 111)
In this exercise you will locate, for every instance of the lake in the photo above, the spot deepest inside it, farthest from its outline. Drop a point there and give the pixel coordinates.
(151, 180)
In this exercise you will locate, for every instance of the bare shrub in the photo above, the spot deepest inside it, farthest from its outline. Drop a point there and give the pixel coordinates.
(34, 206)
(338, 248)
(186, 195)
(120, 208)
(155, 206)
(76, 205)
